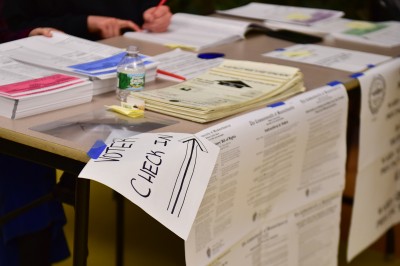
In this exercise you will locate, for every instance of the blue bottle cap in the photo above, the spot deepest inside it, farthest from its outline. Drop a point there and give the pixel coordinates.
(210, 55)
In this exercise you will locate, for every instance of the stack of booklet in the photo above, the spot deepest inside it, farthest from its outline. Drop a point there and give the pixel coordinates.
(27, 90)
(232, 87)
(69, 54)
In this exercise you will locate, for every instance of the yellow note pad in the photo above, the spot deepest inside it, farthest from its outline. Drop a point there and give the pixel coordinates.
(181, 46)
(134, 113)
(300, 53)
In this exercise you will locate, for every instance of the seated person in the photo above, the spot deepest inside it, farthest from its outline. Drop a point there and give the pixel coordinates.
(90, 19)
(35, 237)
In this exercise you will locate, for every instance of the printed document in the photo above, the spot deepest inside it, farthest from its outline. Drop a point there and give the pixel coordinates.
(230, 88)
(180, 65)
(337, 58)
(376, 199)
(380, 34)
(195, 32)
(275, 193)
(282, 13)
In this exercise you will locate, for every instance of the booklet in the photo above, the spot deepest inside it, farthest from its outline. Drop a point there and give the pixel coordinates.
(285, 14)
(70, 54)
(232, 87)
(195, 32)
(27, 90)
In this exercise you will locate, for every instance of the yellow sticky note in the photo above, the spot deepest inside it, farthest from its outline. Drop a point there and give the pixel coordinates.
(361, 25)
(299, 53)
(134, 113)
(181, 46)
(298, 16)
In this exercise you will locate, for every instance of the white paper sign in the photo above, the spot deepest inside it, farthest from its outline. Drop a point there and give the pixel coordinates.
(165, 174)
(376, 200)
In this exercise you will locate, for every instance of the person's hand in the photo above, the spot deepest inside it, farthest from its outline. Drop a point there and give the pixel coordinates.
(157, 19)
(42, 31)
(108, 27)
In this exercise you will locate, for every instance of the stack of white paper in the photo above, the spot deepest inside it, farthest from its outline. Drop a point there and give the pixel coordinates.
(27, 90)
(71, 54)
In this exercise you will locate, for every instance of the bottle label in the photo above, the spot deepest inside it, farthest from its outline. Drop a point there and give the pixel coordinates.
(132, 82)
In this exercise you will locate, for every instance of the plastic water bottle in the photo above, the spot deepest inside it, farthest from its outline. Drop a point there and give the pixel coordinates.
(130, 74)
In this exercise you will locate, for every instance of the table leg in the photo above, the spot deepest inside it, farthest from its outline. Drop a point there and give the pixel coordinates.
(80, 250)
(120, 200)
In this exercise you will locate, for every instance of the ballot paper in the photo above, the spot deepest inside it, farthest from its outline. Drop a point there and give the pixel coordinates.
(227, 89)
(376, 198)
(331, 57)
(165, 174)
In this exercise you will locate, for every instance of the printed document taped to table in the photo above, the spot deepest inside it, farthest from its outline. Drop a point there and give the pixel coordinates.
(376, 198)
(275, 193)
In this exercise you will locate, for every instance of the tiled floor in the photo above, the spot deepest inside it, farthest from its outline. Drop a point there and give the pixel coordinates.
(160, 247)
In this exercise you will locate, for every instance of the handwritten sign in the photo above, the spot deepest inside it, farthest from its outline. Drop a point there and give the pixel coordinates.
(165, 174)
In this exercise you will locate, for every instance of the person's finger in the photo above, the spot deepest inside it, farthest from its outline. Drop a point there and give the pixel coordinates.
(161, 11)
(114, 29)
(160, 25)
(47, 32)
(42, 31)
(106, 31)
(127, 24)
(153, 13)
(148, 14)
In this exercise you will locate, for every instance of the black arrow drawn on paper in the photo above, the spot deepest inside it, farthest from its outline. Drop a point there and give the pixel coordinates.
(185, 174)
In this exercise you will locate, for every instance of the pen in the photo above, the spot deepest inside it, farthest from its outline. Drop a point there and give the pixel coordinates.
(161, 3)
(166, 73)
